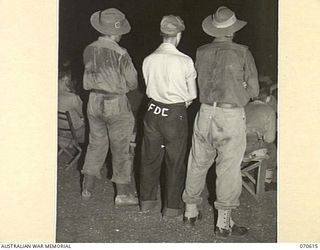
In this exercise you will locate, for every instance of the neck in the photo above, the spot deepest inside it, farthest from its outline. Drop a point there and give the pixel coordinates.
(223, 39)
(172, 41)
(112, 38)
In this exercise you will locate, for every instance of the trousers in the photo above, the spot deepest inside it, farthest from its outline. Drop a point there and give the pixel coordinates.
(165, 136)
(219, 135)
(111, 125)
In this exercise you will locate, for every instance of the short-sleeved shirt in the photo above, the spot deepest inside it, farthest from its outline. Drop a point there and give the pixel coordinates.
(108, 67)
(167, 72)
(226, 73)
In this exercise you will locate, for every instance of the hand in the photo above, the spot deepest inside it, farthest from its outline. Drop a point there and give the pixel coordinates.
(245, 85)
(188, 103)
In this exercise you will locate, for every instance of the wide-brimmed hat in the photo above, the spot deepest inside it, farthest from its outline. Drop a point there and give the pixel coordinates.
(171, 25)
(110, 22)
(222, 23)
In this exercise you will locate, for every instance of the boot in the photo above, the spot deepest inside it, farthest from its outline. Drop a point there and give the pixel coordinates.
(191, 215)
(124, 197)
(226, 227)
(87, 186)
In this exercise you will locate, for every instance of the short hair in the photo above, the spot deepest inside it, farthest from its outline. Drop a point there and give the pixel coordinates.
(166, 36)
(64, 70)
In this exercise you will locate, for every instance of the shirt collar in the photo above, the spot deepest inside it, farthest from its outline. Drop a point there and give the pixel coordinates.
(107, 39)
(167, 46)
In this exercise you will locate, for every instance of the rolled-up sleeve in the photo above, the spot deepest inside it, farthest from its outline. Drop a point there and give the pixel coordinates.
(129, 72)
(251, 75)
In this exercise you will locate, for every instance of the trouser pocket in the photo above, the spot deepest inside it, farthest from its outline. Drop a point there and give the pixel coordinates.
(115, 106)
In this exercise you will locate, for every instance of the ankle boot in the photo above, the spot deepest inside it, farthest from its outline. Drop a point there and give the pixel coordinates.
(191, 215)
(87, 186)
(124, 197)
(226, 227)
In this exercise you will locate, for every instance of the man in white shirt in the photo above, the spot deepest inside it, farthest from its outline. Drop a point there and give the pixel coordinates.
(170, 84)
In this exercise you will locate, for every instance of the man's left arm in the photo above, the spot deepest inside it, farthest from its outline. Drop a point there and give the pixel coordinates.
(129, 72)
(191, 82)
(251, 75)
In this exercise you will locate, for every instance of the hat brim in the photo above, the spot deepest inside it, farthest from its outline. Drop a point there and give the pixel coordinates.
(211, 30)
(124, 29)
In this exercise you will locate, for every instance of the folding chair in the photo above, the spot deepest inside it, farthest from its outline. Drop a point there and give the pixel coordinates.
(255, 171)
(67, 140)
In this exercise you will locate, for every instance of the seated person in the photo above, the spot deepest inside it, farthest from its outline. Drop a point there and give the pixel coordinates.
(69, 101)
(269, 97)
(261, 133)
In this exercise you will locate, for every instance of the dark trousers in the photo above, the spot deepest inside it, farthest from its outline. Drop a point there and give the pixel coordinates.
(165, 136)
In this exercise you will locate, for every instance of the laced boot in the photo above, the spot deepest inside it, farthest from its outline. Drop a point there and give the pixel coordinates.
(226, 227)
(87, 186)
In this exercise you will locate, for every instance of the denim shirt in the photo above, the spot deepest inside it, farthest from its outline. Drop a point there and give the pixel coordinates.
(226, 73)
(108, 67)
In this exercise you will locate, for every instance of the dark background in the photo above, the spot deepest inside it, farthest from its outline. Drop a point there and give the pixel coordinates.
(260, 34)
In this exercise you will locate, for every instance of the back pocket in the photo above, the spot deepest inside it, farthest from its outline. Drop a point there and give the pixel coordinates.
(111, 107)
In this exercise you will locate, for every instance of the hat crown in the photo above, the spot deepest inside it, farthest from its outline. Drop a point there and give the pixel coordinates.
(111, 16)
(172, 25)
(223, 14)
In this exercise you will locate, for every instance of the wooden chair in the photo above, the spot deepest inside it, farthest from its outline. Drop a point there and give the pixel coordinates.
(255, 171)
(67, 140)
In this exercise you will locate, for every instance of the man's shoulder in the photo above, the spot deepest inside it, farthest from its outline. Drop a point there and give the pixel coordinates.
(184, 56)
(204, 47)
(239, 46)
(106, 45)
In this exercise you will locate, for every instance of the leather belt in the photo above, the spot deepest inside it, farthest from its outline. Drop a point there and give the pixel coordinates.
(223, 105)
(100, 91)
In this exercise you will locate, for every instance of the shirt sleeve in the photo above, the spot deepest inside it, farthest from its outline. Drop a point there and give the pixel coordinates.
(251, 75)
(78, 105)
(271, 126)
(190, 78)
(129, 72)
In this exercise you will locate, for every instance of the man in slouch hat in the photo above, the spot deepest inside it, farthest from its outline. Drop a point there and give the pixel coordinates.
(227, 79)
(109, 75)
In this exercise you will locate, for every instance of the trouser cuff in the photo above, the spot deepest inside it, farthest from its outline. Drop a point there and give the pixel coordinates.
(148, 205)
(171, 212)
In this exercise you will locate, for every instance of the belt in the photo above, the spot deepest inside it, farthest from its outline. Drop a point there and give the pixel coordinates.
(168, 104)
(223, 105)
(100, 91)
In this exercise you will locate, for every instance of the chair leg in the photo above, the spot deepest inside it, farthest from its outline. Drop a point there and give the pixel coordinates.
(75, 157)
(261, 178)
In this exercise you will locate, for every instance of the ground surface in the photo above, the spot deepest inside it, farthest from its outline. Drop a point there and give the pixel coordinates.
(99, 221)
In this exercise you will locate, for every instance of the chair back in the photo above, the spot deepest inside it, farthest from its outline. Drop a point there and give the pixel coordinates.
(65, 126)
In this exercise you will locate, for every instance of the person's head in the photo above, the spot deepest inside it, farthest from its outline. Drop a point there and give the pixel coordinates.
(264, 92)
(110, 22)
(64, 79)
(222, 24)
(171, 28)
